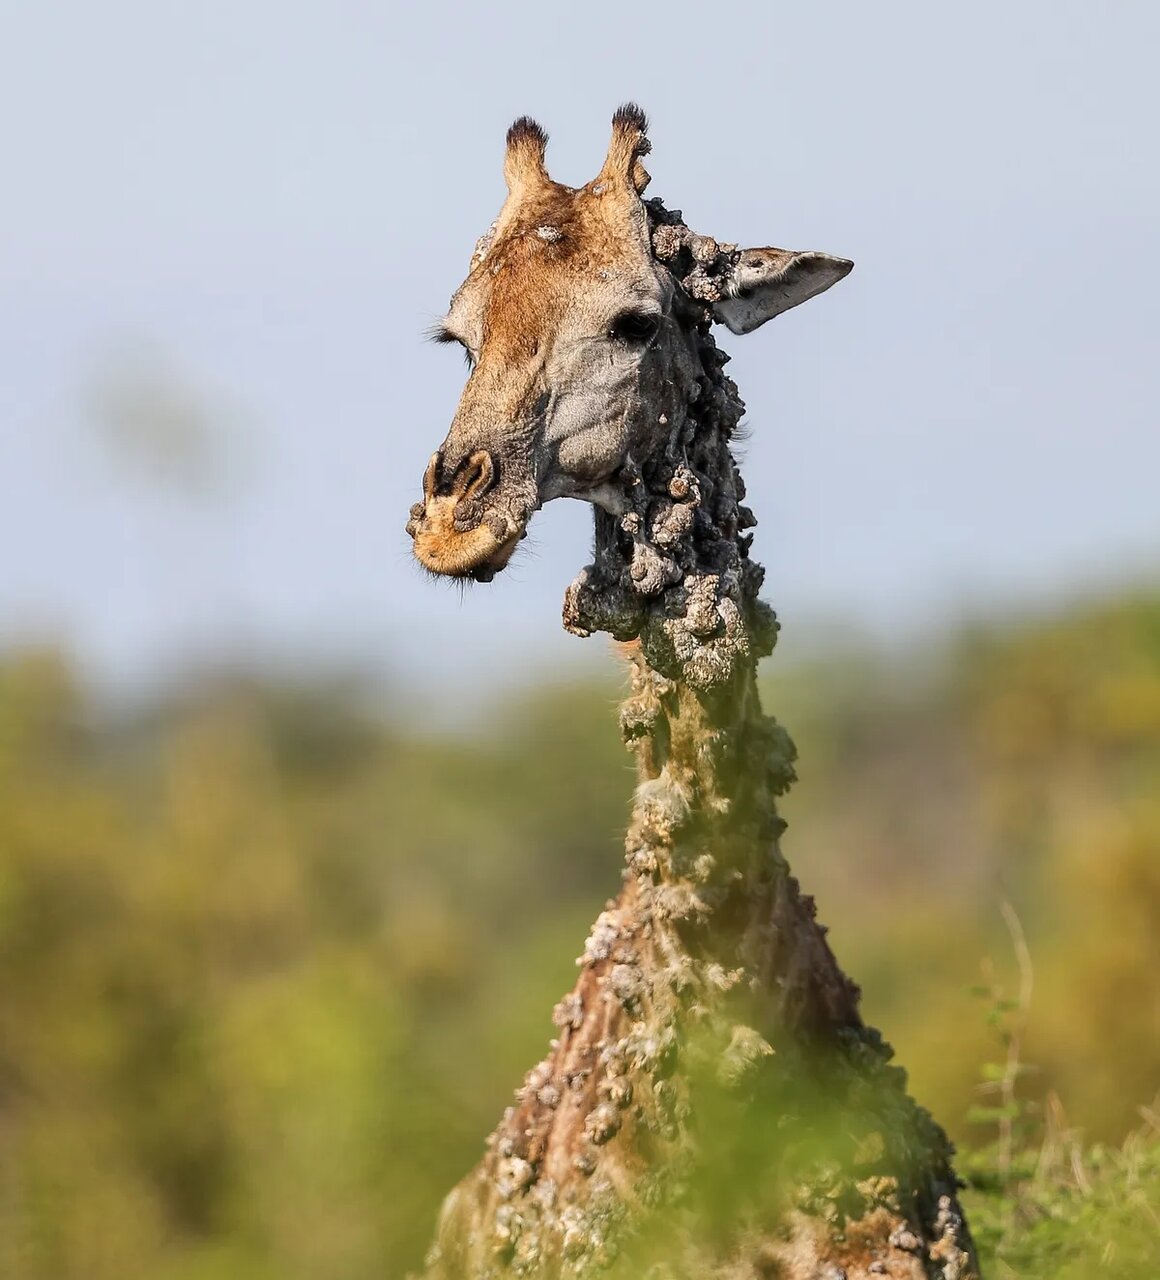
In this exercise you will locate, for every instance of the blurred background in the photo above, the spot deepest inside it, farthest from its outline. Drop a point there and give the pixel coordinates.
(296, 846)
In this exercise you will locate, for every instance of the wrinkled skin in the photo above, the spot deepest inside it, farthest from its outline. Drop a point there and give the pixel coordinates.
(580, 355)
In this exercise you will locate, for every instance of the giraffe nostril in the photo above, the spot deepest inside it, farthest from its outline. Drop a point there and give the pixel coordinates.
(477, 474)
(432, 474)
(464, 480)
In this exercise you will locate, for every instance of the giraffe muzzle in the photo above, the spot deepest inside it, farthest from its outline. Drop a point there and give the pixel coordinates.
(456, 531)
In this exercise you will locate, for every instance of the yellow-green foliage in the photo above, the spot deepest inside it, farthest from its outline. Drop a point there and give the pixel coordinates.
(1022, 763)
(272, 962)
(1070, 1213)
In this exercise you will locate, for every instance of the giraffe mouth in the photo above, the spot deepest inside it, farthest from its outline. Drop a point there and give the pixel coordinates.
(498, 561)
(443, 546)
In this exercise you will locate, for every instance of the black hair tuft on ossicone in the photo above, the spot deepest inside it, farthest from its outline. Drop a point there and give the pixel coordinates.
(525, 130)
(630, 116)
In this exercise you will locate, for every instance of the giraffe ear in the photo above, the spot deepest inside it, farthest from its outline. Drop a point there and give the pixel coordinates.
(766, 282)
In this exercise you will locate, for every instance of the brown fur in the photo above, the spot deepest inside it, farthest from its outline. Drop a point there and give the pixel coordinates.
(551, 248)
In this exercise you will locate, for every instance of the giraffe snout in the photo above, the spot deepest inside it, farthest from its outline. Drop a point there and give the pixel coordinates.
(454, 531)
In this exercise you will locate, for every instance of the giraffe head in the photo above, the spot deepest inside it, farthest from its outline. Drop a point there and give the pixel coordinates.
(580, 330)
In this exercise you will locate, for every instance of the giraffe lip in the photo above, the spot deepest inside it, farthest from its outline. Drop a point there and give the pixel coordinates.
(445, 548)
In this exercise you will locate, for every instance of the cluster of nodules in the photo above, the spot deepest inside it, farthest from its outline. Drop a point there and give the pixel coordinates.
(598, 1099)
(531, 1236)
(701, 263)
(640, 979)
(628, 1078)
(541, 1226)
(673, 567)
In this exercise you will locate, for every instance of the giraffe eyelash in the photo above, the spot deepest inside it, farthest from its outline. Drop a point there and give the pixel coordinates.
(441, 334)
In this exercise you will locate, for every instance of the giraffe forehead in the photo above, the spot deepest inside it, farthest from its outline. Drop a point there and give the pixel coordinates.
(542, 273)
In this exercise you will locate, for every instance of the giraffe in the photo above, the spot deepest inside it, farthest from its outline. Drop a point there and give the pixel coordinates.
(711, 1039)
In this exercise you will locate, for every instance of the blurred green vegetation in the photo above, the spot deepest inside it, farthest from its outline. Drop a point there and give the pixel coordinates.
(273, 959)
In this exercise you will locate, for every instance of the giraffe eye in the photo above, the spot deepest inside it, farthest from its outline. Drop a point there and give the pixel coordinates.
(442, 335)
(635, 328)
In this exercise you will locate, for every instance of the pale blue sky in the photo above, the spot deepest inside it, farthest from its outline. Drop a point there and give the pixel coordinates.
(268, 202)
